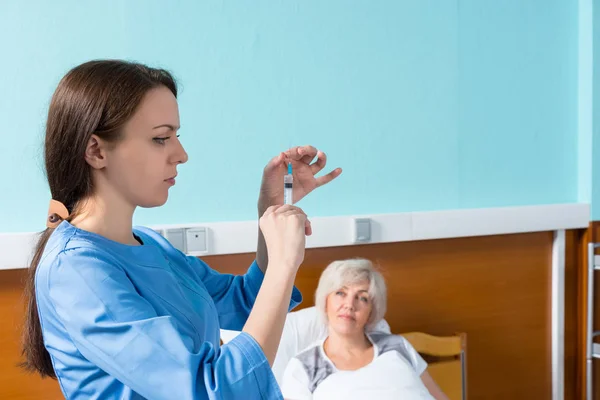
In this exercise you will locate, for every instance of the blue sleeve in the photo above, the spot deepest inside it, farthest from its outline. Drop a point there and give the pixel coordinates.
(119, 331)
(234, 295)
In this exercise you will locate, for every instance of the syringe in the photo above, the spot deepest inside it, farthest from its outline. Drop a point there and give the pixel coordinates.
(288, 181)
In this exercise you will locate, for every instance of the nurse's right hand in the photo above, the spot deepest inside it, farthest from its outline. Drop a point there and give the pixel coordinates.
(285, 228)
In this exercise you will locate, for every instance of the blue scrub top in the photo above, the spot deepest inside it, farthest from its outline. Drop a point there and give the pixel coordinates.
(135, 322)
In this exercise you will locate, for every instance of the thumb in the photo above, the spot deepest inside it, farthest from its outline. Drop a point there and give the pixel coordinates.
(275, 162)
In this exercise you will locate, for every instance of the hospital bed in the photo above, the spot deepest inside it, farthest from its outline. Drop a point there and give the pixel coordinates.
(446, 356)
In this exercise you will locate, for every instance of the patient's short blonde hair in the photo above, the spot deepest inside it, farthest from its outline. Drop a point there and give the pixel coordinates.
(347, 272)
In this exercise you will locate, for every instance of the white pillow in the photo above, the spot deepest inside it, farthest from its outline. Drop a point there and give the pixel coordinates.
(301, 329)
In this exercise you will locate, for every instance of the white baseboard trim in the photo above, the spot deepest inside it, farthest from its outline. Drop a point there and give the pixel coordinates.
(241, 237)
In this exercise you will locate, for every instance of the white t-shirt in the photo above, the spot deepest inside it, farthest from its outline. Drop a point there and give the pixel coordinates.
(302, 329)
(394, 373)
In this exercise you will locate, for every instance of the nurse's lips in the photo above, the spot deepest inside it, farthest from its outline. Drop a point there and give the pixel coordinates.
(171, 180)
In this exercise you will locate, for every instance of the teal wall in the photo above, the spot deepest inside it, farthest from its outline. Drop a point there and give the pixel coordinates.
(427, 105)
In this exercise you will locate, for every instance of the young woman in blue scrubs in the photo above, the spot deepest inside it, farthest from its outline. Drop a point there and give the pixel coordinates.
(116, 312)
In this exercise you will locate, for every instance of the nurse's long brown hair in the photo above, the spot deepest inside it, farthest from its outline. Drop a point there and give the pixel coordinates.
(97, 97)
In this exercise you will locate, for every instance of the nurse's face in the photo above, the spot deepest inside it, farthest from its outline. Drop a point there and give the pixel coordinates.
(348, 308)
(141, 167)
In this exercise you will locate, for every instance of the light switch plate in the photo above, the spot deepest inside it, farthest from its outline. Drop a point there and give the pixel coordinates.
(176, 237)
(160, 232)
(362, 230)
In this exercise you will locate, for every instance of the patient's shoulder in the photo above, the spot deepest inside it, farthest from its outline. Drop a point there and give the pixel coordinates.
(312, 358)
(315, 365)
(388, 342)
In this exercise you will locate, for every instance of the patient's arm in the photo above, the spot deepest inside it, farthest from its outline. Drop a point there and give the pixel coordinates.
(432, 387)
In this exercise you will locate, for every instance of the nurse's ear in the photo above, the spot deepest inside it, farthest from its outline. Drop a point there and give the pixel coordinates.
(96, 152)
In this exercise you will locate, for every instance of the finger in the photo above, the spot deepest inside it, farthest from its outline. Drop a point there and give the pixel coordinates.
(292, 211)
(308, 154)
(286, 208)
(319, 164)
(294, 154)
(273, 209)
(276, 162)
(307, 228)
(325, 179)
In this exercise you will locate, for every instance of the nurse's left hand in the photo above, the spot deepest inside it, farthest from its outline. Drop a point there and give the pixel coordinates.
(304, 171)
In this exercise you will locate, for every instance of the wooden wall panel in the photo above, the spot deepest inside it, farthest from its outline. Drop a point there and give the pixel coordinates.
(14, 383)
(496, 289)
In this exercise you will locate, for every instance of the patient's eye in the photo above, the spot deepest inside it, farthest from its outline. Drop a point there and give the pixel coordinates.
(340, 293)
(363, 298)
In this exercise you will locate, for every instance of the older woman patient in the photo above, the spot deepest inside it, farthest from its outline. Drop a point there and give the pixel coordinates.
(351, 363)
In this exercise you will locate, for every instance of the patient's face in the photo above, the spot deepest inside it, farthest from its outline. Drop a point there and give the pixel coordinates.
(348, 308)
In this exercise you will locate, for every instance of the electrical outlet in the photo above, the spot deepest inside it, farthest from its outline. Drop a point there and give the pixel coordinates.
(196, 241)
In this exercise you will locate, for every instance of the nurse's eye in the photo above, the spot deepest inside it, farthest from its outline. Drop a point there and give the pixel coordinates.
(161, 140)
